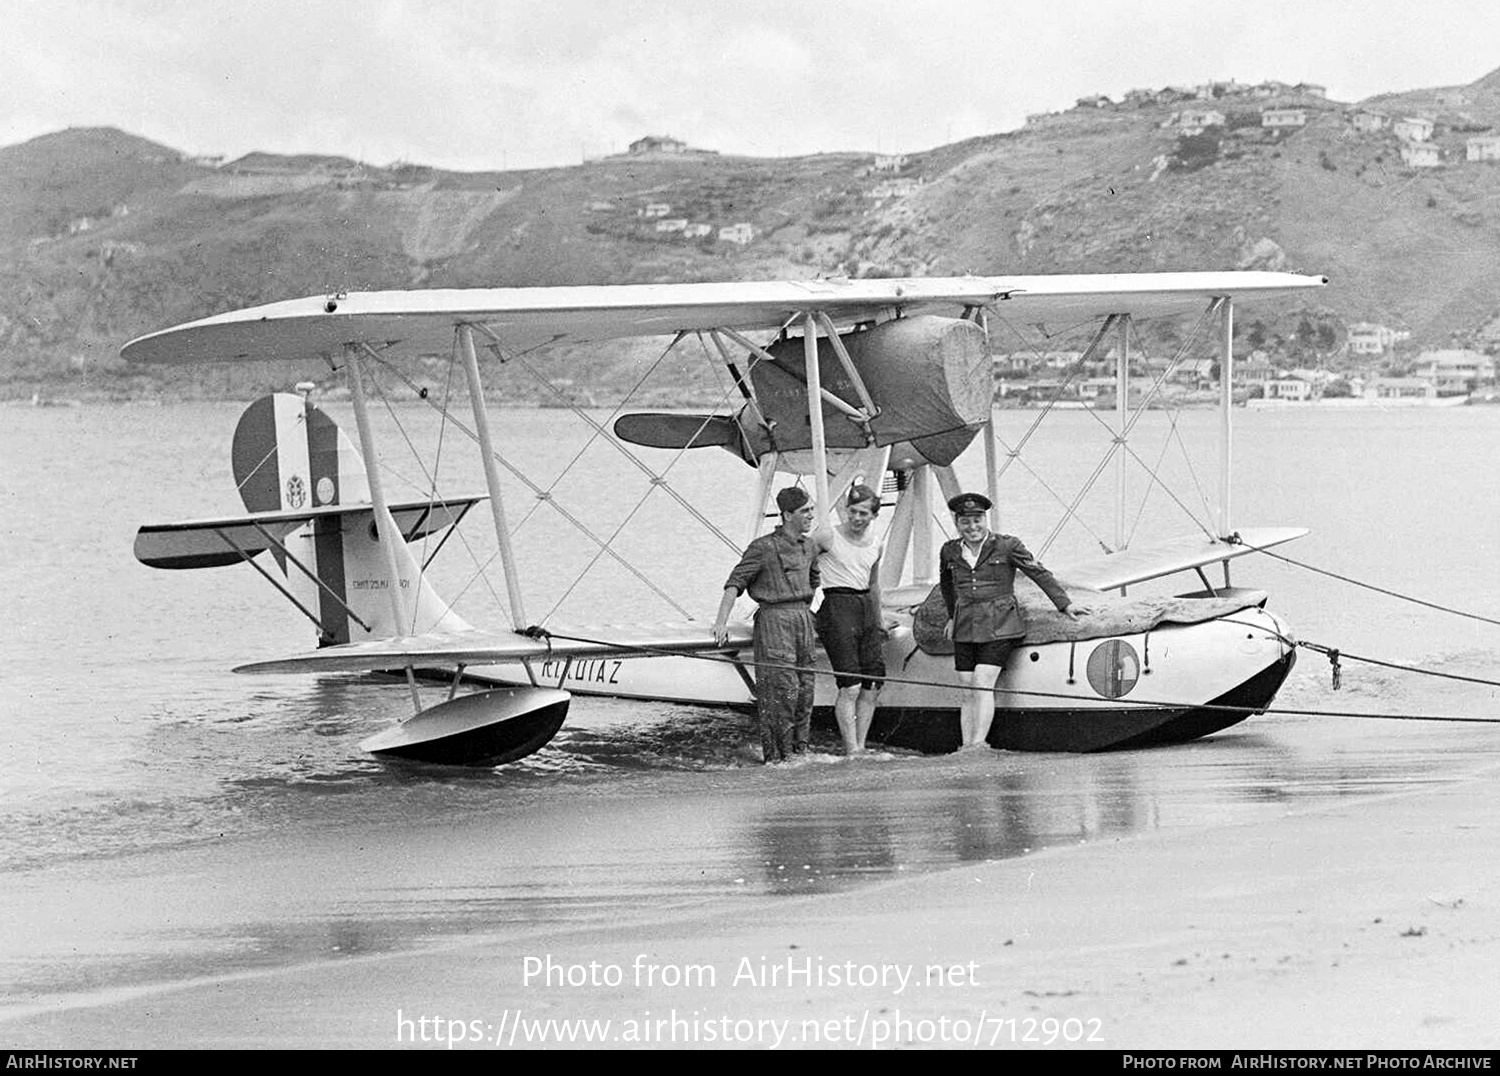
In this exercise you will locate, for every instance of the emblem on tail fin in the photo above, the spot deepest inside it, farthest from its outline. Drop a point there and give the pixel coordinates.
(328, 558)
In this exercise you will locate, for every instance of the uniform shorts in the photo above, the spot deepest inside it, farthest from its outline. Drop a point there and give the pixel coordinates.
(967, 655)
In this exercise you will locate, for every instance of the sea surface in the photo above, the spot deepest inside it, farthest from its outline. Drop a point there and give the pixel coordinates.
(127, 735)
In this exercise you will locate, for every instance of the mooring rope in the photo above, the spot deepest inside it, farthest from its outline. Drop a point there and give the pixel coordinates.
(1336, 656)
(1234, 539)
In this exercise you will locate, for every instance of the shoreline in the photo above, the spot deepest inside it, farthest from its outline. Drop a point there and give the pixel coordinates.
(1373, 923)
(509, 402)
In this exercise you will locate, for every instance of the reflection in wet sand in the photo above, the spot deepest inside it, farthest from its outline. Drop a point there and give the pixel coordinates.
(382, 860)
(827, 831)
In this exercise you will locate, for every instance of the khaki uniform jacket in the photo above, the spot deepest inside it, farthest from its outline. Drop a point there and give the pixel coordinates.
(777, 569)
(982, 599)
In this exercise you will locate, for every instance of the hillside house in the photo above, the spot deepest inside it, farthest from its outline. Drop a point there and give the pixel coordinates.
(741, 233)
(1399, 388)
(1369, 121)
(1094, 389)
(653, 210)
(1310, 89)
(1155, 367)
(1256, 370)
(1196, 372)
(1413, 128)
(671, 224)
(1293, 389)
(1283, 118)
(1421, 155)
(1314, 376)
(1483, 148)
(657, 144)
(888, 162)
(1367, 338)
(697, 231)
(1097, 100)
(1455, 371)
(1057, 360)
(1007, 366)
(1197, 120)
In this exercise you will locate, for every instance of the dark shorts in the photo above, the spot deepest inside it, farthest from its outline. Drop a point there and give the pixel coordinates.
(851, 636)
(994, 652)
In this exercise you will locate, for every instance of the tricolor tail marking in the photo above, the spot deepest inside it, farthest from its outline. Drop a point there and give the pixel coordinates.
(289, 455)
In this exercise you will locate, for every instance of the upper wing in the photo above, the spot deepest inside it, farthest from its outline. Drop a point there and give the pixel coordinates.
(423, 322)
(492, 648)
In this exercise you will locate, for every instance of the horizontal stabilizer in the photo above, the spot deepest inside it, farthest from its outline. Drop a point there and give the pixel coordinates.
(493, 648)
(1136, 565)
(211, 543)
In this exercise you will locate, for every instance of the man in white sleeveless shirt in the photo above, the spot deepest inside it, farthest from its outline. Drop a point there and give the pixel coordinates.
(849, 620)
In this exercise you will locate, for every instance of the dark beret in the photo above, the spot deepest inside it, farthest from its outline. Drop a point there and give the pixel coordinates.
(791, 498)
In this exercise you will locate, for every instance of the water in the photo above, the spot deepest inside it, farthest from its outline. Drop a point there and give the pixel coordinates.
(127, 736)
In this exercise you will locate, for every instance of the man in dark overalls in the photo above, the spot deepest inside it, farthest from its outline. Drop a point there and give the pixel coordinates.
(780, 572)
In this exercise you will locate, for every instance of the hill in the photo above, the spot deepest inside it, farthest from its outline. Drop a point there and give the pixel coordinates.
(104, 235)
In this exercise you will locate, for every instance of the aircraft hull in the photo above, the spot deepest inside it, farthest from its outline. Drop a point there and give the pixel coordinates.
(1176, 683)
(1080, 730)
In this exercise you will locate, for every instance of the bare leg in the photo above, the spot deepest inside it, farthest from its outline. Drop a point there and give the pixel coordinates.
(845, 709)
(966, 709)
(984, 702)
(864, 713)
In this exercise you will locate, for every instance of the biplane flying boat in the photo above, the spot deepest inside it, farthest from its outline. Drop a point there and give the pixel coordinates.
(858, 380)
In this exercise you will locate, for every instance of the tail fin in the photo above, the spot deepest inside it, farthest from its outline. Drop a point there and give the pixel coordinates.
(304, 483)
(287, 454)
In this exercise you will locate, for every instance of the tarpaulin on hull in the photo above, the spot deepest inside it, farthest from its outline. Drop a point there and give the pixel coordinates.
(1108, 615)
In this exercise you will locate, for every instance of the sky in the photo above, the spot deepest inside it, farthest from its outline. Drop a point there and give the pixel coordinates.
(474, 85)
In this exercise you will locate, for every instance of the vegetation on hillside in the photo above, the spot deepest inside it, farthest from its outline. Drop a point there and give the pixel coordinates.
(104, 236)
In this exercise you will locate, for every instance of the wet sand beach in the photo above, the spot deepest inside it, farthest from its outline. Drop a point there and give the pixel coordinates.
(1373, 923)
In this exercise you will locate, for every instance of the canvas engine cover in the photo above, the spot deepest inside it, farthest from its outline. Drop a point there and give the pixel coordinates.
(928, 376)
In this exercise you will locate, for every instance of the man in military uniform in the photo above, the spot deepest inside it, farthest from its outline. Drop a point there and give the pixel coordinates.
(780, 572)
(977, 572)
